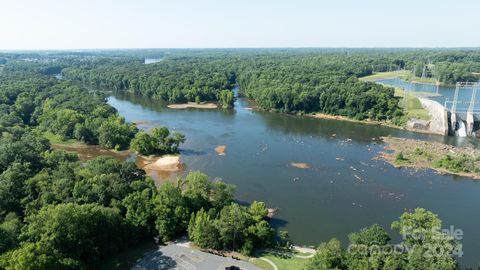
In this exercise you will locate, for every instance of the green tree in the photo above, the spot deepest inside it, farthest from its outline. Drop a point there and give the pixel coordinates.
(144, 143)
(171, 211)
(202, 231)
(329, 256)
(9, 232)
(114, 133)
(428, 246)
(226, 98)
(157, 141)
(87, 233)
(231, 225)
(367, 248)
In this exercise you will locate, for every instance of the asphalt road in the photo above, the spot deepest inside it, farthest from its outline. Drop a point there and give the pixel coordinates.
(179, 257)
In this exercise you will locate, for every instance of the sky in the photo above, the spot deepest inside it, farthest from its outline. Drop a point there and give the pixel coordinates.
(102, 24)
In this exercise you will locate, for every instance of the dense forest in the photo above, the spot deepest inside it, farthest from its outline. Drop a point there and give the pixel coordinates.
(293, 81)
(57, 212)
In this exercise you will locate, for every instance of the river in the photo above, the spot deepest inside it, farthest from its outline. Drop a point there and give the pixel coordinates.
(345, 188)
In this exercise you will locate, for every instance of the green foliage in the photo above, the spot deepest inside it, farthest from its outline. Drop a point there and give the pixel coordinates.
(83, 234)
(114, 133)
(423, 237)
(175, 204)
(62, 109)
(202, 231)
(458, 163)
(175, 80)
(9, 232)
(59, 213)
(399, 157)
(225, 97)
(172, 212)
(329, 256)
(157, 141)
(234, 228)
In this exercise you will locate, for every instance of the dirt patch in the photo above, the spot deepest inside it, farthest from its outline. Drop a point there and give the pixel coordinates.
(221, 150)
(300, 165)
(193, 105)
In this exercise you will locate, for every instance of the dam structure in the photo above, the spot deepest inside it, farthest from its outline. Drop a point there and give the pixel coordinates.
(464, 113)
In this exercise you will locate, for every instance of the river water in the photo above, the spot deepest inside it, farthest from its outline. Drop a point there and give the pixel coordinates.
(345, 188)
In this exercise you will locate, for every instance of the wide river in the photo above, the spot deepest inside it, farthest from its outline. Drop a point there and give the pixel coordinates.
(345, 188)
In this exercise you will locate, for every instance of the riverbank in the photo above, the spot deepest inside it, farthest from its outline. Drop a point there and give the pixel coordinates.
(159, 168)
(193, 105)
(347, 119)
(446, 159)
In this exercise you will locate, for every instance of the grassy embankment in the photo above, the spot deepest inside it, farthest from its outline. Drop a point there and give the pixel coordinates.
(412, 108)
(440, 157)
(283, 259)
(401, 74)
(56, 139)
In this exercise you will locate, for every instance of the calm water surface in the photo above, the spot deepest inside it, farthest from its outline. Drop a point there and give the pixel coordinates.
(344, 190)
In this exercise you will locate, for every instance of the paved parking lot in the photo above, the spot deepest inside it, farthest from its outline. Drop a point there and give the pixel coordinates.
(179, 257)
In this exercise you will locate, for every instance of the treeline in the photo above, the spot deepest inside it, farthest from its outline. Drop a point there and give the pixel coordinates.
(326, 84)
(289, 81)
(63, 109)
(309, 80)
(173, 80)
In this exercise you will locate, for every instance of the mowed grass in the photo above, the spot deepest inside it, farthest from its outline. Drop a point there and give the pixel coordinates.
(401, 74)
(56, 139)
(411, 105)
(386, 75)
(283, 259)
(261, 263)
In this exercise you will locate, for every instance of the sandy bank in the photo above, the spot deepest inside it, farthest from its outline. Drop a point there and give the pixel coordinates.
(343, 118)
(165, 163)
(300, 165)
(221, 150)
(193, 105)
(140, 122)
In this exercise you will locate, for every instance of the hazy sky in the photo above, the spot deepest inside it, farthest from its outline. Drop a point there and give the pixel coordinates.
(80, 24)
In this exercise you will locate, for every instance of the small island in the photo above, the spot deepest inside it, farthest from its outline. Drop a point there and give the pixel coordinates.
(401, 152)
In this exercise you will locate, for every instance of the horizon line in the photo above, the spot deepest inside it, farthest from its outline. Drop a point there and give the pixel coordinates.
(234, 48)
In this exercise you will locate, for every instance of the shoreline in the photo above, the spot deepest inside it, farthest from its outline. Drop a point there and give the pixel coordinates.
(189, 105)
(418, 154)
(167, 170)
